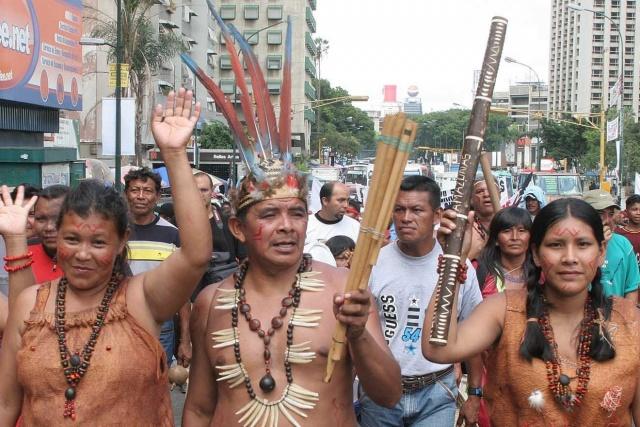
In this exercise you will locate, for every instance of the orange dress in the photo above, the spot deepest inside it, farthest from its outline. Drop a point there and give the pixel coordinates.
(512, 379)
(126, 383)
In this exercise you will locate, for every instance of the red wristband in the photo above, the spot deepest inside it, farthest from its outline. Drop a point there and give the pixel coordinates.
(15, 268)
(18, 257)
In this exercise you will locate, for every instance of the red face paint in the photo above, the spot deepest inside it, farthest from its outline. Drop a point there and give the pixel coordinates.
(258, 234)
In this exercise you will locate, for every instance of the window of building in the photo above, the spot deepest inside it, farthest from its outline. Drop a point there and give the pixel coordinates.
(631, 4)
(628, 97)
(615, 15)
(613, 38)
(274, 62)
(598, 3)
(598, 26)
(225, 62)
(628, 62)
(628, 85)
(613, 72)
(629, 39)
(273, 86)
(596, 84)
(615, 3)
(598, 38)
(251, 11)
(597, 61)
(596, 96)
(274, 37)
(628, 74)
(631, 27)
(631, 16)
(598, 49)
(252, 37)
(613, 50)
(274, 12)
(613, 62)
(628, 50)
(596, 73)
(227, 86)
(228, 11)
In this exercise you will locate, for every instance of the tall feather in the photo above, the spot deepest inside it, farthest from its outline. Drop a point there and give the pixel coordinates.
(285, 99)
(245, 99)
(228, 111)
(266, 115)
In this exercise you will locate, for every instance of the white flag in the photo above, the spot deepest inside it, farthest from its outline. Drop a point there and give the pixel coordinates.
(614, 93)
(612, 130)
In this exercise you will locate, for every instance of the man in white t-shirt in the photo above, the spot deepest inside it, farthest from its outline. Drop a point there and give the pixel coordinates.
(331, 220)
(402, 282)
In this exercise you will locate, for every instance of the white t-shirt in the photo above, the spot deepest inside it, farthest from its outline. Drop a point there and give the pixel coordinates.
(319, 230)
(402, 286)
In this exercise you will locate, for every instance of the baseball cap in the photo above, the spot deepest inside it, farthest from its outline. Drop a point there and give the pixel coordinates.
(599, 199)
(530, 196)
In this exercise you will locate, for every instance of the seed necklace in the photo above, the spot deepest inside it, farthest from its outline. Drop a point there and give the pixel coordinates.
(559, 382)
(76, 365)
(294, 399)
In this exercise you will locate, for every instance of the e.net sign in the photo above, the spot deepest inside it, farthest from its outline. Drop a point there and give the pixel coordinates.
(40, 52)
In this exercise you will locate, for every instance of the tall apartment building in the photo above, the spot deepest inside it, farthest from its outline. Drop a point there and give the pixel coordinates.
(192, 20)
(585, 54)
(263, 24)
(524, 101)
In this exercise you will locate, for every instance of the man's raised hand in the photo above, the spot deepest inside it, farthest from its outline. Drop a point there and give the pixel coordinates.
(172, 126)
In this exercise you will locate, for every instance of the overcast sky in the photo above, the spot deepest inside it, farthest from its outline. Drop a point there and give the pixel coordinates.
(434, 44)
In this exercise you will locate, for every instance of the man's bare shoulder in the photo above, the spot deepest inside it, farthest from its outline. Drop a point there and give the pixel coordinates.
(334, 278)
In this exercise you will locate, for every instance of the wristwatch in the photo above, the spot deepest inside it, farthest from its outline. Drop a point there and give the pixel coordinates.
(474, 391)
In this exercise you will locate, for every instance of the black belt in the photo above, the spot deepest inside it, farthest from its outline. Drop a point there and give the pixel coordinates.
(417, 382)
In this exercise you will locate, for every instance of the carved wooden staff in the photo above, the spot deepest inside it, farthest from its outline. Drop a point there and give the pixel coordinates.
(471, 151)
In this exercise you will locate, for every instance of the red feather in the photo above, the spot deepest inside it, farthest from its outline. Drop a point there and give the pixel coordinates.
(285, 96)
(266, 115)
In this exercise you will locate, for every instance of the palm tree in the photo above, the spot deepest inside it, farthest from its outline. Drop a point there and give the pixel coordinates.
(145, 50)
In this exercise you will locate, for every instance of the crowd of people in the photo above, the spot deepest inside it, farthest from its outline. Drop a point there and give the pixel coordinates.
(105, 294)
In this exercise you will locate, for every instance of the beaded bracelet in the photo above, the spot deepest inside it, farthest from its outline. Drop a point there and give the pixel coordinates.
(461, 276)
(18, 257)
(15, 268)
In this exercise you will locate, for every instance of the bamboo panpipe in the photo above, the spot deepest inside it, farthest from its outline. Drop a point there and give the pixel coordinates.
(491, 182)
(447, 285)
(392, 153)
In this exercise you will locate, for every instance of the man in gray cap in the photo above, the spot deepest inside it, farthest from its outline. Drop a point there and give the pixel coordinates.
(620, 275)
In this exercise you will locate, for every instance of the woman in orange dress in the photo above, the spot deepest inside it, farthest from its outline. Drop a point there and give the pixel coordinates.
(83, 350)
(560, 352)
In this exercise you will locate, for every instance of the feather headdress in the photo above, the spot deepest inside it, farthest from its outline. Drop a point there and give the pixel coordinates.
(264, 144)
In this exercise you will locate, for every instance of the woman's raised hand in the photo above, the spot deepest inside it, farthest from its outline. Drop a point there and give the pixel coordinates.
(14, 213)
(172, 126)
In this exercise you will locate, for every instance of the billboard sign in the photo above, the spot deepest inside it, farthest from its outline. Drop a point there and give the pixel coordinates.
(40, 52)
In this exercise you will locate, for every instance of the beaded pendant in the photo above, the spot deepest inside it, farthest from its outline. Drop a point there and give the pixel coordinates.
(295, 399)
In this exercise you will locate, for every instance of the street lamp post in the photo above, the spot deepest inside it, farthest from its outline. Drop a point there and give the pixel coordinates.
(539, 82)
(578, 8)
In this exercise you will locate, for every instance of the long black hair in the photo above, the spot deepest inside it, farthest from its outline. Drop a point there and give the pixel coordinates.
(491, 255)
(534, 344)
(92, 197)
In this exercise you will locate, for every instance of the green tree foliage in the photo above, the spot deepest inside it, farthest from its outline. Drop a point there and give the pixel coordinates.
(144, 49)
(343, 127)
(446, 130)
(215, 134)
(565, 140)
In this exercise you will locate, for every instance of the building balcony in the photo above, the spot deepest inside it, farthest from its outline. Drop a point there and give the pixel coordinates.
(309, 67)
(310, 115)
(309, 43)
(309, 91)
(311, 21)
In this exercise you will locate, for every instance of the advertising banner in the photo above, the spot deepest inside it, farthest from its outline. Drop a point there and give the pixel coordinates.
(40, 53)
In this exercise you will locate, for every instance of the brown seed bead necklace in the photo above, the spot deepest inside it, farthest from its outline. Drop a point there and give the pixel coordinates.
(267, 383)
(76, 365)
(559, 382)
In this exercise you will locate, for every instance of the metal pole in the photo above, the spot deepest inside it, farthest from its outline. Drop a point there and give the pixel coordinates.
(119, 60)
(602, 146)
